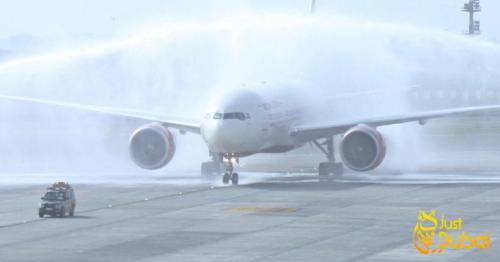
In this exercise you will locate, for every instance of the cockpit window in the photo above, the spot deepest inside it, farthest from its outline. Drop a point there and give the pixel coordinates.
(233, 115)
(238, 115)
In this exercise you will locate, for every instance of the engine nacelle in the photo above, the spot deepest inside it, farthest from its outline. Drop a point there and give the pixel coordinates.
(152, 146)
(362, 148)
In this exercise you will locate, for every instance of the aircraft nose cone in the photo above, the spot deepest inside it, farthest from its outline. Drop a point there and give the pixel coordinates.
(226, 138)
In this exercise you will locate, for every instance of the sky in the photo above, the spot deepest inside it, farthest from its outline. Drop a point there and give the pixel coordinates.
(55, 19)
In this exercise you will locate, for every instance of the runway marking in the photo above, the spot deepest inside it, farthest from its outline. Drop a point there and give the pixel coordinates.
(262, 209)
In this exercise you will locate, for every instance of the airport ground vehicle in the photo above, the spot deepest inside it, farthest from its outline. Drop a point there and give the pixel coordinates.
(59, 200)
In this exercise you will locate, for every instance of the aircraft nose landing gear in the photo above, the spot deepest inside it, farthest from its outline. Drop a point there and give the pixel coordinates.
(213, 168)
(230, 175)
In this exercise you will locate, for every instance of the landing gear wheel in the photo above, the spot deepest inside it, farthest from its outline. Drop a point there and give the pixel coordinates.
(234, 179)
(327, 169)
(225, 178)
(209, 169)
(338, 169)
(324, 171)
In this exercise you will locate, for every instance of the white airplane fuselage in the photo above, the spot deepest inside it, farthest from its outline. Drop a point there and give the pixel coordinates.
(245, 122)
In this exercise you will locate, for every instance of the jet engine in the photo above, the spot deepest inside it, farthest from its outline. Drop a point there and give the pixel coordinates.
(152, 146)
(362, 148)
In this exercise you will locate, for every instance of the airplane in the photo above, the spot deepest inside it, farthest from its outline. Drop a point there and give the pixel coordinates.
(245, 122)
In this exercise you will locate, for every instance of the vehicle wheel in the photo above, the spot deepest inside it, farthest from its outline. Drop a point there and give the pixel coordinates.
(234, 179)
(62, 213)
(225, 178)
(40, 214)
(72, 212)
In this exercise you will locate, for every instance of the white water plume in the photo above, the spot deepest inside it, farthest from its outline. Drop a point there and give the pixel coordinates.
(174, 68)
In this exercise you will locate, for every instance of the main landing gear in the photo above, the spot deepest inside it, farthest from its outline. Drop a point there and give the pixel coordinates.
(328, 170)
(213, 168)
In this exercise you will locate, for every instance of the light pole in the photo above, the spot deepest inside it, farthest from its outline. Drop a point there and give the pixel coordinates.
(473, 7)
(313, 6)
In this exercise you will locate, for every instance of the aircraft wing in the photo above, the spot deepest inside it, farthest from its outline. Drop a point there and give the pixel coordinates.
(184, 126)
(312, 132)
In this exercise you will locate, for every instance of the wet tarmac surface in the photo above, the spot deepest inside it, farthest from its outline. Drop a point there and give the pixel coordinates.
(270, 217)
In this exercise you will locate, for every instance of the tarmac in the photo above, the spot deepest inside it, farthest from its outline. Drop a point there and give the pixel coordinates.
(368, 217)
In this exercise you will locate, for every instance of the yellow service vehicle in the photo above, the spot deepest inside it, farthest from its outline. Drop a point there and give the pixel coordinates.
(59, 200)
